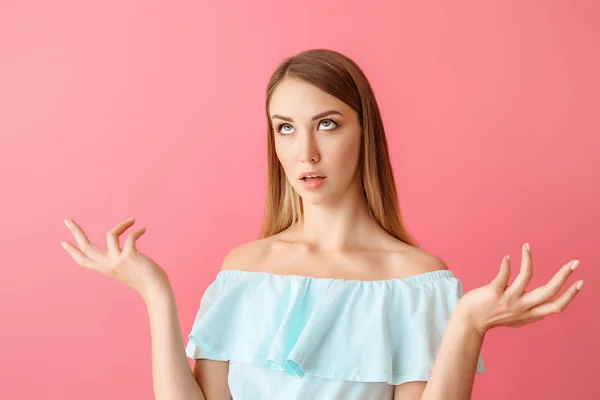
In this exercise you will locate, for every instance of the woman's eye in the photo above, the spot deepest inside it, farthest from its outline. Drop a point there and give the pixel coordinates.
(327, 123)
(280, 128)
(330, 122)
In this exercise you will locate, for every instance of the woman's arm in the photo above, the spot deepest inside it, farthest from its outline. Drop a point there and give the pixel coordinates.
(171, 373)
(453, 373)
(454, 368)
(495, 304)
(172, 377)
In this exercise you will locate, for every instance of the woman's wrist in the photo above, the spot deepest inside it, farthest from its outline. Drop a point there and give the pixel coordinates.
(463, 318)
(156, 290)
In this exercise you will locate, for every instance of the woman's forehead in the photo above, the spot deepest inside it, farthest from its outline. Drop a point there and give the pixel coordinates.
(301, 100)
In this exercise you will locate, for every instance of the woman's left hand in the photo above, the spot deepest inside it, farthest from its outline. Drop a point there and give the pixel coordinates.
(500, 304)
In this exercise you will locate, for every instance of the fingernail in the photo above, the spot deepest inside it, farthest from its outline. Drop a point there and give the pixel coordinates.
(579, 285)
(575, 265)
(68, 223)
(527, 246)
(508, 257)
(63, 244)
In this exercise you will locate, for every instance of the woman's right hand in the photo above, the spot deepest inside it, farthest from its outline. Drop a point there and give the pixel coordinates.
(127, 265)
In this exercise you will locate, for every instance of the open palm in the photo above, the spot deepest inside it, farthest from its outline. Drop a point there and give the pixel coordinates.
(127, 265)
(500, 304)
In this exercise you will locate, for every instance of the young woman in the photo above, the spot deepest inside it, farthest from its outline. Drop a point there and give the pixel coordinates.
(335, 300)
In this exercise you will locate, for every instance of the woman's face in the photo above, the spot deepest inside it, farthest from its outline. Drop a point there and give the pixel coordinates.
(315, 131)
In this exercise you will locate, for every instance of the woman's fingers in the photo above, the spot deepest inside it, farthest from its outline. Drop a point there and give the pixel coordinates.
(501, 280)
(549, 290)
(112, 237)
(559, 304)
(131, 239)
(79, 257)
(85, 246)
(517, 288)
(555, 306)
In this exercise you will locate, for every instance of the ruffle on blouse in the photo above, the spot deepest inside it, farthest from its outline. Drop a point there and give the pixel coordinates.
(365, 331)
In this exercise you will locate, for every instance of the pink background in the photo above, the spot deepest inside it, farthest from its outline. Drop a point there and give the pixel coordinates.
(154, 109)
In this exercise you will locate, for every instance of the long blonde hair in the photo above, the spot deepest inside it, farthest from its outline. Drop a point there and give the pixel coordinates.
(341, 77)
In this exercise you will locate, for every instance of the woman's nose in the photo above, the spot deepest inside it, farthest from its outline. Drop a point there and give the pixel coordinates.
(309, 151)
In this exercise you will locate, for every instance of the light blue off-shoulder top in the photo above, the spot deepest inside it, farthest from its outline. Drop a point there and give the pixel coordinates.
(290, 337)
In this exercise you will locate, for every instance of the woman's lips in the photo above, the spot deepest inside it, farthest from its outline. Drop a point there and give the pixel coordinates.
(312, 183)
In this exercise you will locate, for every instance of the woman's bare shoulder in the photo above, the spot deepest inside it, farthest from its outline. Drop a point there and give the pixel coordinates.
(414, 261)
(246, 256)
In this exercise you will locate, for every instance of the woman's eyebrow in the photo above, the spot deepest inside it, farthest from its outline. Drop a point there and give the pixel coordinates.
(320, 115)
